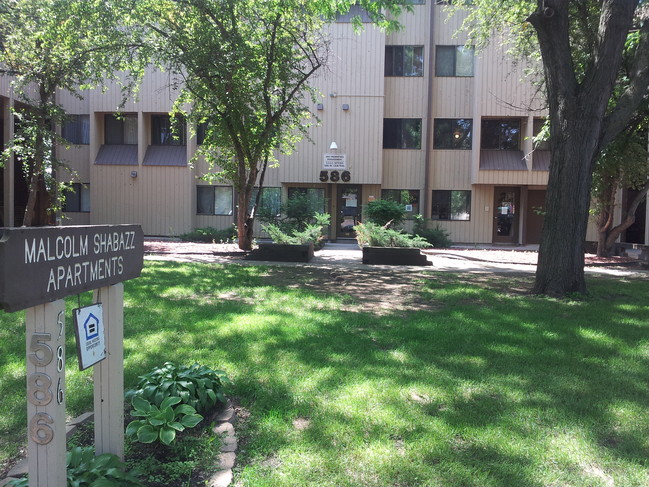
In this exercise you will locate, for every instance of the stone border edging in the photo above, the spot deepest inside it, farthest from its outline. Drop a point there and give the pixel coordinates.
(225, 421)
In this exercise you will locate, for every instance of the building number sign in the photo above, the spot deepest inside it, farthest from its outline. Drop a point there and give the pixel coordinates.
(41, 390)
(335, 176)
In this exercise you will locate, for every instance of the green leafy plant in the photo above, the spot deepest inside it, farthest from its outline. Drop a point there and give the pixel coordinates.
(372, 235)
(210, 235)
(160, 423)
(386, 211)
(312, 232)
(84, 469)
(197, 386)
(435, 235)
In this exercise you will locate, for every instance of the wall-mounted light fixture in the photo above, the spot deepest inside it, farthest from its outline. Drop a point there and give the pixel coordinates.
(133, 174)
(320, 106)
(333, 146)
(345, 106)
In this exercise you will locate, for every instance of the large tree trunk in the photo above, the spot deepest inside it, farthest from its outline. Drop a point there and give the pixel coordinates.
(560, 267)
(577, 109)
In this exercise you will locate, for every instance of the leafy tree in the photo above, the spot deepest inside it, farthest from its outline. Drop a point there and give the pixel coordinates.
(244, 68)
(581, 43)
(623, 163)
(385, 211)
(46, 45)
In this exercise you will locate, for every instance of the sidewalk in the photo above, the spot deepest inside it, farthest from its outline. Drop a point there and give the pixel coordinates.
(477, 259)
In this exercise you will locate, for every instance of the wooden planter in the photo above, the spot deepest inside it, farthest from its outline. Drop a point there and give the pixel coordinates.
(394, 256)
(282, 252)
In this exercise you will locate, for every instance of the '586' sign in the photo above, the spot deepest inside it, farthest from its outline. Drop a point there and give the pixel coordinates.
(335, 176)
(40, 385)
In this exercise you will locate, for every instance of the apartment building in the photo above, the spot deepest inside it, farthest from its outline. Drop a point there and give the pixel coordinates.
(414, 116)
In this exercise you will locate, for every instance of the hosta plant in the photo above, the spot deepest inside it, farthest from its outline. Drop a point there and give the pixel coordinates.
(160, 423)
(84, 469)
(197, 386)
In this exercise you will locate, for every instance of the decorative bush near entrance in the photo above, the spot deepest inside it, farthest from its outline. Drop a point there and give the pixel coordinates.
(373, 235)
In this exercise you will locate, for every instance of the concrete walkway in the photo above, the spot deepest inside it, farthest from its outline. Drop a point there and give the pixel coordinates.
(457, 259)
(348, 254)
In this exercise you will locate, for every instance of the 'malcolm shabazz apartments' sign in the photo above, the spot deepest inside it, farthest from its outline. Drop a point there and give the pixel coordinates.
(39, 265)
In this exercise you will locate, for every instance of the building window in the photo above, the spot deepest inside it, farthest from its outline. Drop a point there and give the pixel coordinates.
(77, 198)
(409, 198)
(162, 133)
(214, 200)
(402, 133)
(451, 205)
(454, 61)
(120, 130)
(501, 134)
(201, 130)
(355, 11)
(404, 61)
(270, 202)
(315, 199)
(452, 133)
(76, 129)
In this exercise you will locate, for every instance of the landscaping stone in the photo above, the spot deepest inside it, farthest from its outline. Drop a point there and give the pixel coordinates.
(226, 460)
(221, 479)
(227, 414)
(224, 428)
(20, 469)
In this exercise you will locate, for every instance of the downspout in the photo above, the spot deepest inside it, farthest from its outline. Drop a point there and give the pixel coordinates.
(429, 112)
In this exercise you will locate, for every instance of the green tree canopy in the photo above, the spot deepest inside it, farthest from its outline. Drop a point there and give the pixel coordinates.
(50, 45)
(244, 68)
(581, 44)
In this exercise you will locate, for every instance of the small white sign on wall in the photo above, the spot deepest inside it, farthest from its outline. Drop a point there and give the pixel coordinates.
(334, 161)
(89, 330)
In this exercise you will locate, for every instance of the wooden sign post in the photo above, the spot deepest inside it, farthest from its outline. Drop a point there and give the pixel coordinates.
(38, 268)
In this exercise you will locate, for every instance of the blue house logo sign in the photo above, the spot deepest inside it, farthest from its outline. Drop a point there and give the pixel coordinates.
(91, 326)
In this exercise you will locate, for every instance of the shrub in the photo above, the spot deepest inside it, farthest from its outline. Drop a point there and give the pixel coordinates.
(313, 232)
(295, 214)
(84, 469)
(160, 423)
(197, 386)
(436, 236)
(372, 235)
(383, 212)
(210, 235)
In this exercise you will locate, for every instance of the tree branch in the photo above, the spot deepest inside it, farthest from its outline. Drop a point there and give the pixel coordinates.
(616, 121)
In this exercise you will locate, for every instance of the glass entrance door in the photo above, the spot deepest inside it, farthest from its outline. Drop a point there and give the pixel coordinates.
(506, 201)
(349, 210)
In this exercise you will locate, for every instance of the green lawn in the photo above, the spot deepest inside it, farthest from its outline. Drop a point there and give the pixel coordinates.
(491, 389)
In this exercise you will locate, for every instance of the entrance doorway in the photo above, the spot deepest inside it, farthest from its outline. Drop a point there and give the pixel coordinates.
(534, 216)
(506, 207)
(349, 210)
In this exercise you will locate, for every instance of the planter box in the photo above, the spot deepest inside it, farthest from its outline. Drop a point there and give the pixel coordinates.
(282, 252)
(394, 256)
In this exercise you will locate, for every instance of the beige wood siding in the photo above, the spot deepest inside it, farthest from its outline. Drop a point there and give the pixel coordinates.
(77, 158)
(159, 198)
(358, 132)
(403, 169)
(504, 89)
(450, 169)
